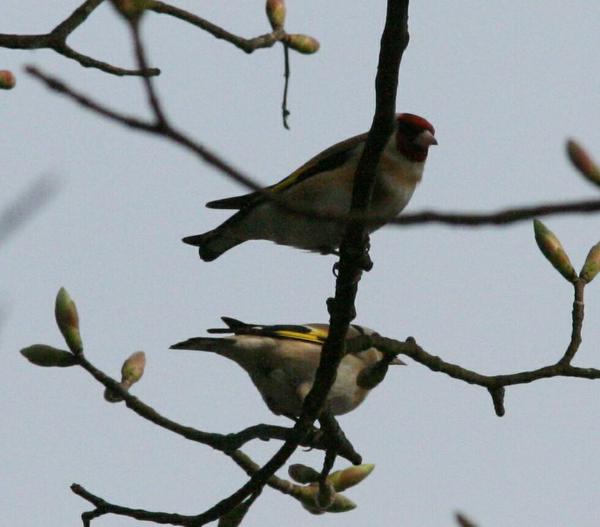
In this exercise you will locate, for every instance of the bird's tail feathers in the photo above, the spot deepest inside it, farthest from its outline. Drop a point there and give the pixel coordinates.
(216, 345)
(211, 244)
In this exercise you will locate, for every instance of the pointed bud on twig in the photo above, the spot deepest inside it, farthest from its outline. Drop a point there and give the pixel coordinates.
(583, 162)
(67, 319)
(47, 356)
(131, 372)
(303, 43)
(344, 479)
(234, 517)
(276, 13)
(7, 80)
(341, 504)
(303, 474)
(553, 250)
(133, 369)
(591, 267)
(132, 10)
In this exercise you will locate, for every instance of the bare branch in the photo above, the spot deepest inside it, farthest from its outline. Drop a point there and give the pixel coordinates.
(500, 218)
(495, 384)
(245, 44)
(57, 41)
(453, 219)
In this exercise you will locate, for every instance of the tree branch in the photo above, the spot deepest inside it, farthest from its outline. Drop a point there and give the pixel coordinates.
(453, 219)
(57, 41)
(495, 384)
(245, 44)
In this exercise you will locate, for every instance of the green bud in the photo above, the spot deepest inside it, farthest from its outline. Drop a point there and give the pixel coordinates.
(591, 267)
(131, 372)
(583, 162)
(234, 517)
(133, 368)
(309, 497)
(7, 80)
(47, 356)
(276, 13)
(341, 504)
(303, 43)
(553, 250)
(132, 10)
(67, 319)
(312, 509)
(303, 474)
(344, 479)
(304, 494)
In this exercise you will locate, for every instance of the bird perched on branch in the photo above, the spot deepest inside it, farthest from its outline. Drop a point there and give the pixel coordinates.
(282, 360)
(324, 185)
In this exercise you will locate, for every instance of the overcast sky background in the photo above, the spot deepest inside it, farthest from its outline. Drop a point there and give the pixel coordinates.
(504, 85)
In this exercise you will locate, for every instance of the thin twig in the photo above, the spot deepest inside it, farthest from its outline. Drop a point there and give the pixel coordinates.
(246, 44)
(495, 384)
(453, 219)
(57, 41)
(286, 75)
(577, 314)
(499, 218)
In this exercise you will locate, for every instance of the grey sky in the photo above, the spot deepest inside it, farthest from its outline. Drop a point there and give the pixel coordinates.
(504, 87)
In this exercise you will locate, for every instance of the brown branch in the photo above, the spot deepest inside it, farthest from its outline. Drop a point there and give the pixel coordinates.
(452, 219)
(286, 82)
(57, 40)
(499, 218)
(246, 44)
(393, 44)
(227, 443)
(495, 384)
(166, 129)
(577, 314)
(394, 40)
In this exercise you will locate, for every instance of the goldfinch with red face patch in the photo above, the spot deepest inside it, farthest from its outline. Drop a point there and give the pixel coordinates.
(324, 184)
(282, 360)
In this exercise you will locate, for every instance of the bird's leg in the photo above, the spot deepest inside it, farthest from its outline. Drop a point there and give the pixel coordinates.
(336, 440)
(362, 260)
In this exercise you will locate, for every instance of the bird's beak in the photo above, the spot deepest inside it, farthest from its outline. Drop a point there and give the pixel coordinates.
(398, 362)
(425, 139)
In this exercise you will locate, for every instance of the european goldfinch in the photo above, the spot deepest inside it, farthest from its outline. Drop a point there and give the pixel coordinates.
(324, 184)
(282, 360)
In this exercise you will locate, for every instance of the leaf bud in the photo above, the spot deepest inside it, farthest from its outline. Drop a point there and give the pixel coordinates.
(276, 13)
(303, 474)
(303, 43)
(344, 479)
(133, 369)
(47, 356)
(583, 162)
(591, 267)
(7, 80)
(553, 250)
(65, 312)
